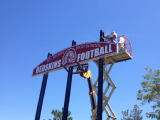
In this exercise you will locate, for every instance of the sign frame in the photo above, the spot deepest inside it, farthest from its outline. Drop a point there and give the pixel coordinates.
(81, 53)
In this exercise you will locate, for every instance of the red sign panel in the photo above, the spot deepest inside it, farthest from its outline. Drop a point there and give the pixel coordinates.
(79, 53)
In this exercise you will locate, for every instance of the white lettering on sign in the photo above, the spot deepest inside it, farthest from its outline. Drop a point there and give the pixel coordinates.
(94, 53)
(106, 49)
(82, 56)
(87, 46)
(49, 66)
(101, 51)
(78, 57)
(87, 54)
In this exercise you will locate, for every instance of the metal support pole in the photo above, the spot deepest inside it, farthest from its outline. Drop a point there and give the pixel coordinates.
(41, 96)
(68, 90)
(92, 96)
(100, 83)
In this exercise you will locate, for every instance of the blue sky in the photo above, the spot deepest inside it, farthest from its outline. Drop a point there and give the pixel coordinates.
(31, 29)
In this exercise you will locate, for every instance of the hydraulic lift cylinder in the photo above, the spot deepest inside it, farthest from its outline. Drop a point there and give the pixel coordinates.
(91, 93)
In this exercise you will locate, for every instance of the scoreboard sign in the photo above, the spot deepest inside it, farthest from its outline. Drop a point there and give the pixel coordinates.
(78, 53)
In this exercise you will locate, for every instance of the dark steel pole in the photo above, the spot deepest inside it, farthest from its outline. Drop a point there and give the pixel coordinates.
(68, 90)
(92, 96)
(41, 96)
(100, 83)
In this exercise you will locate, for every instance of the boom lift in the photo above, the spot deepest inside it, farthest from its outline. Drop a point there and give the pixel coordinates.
(82, 69)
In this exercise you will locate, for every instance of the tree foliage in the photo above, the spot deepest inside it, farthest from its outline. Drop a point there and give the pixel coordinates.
(59, 114)
(151, 91)
(134, 114)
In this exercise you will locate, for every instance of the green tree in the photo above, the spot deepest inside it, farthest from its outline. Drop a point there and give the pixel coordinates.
(59, 114)
(134, 114)
(151, 91)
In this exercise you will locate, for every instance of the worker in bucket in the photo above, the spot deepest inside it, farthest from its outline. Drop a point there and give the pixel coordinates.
(121, 43)
(112, 37)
